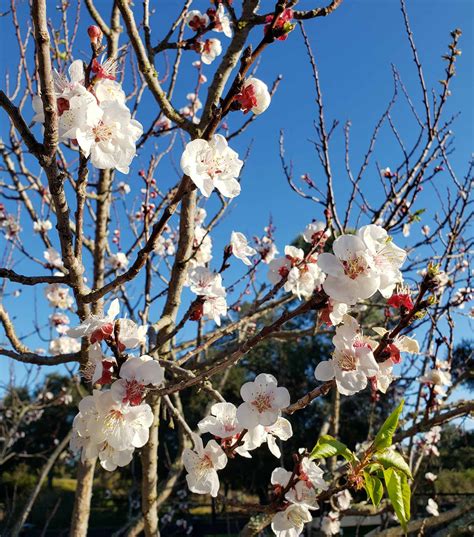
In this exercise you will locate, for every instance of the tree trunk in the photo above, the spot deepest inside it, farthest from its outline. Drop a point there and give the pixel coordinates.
(150, 474)
(82, 503)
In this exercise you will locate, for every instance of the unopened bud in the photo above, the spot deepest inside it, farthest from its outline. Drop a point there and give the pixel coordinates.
(95, 34)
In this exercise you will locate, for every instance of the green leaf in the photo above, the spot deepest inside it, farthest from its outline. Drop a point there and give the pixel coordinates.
(384, 437)
(399, 494)
(393, 459)
(374, 488)
(328, 446)
(406, 494)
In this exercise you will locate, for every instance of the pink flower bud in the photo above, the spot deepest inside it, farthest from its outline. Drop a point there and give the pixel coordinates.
(95, 34)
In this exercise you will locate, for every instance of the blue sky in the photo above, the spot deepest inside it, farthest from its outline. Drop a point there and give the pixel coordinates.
(354, 49)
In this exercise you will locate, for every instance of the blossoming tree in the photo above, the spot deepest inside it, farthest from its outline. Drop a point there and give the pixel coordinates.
(147, 313)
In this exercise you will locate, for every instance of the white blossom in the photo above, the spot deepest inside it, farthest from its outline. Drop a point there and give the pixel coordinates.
(361, 265)
(343, 500)
(439, 378)
(201, 465)
(204, 282)
(215, 307)
(430, 476)
(77, 108)
(124, 189)
(58, 296)
(388, 257)
(312, 473)
(42, 226)
(202, 246)
(267, 249)
(199, 216)
(316, 232)
(336, 311)
(302, 275)
(121, 425)
(432, 507)
(98, 327)
(111, 143)
(210, 49)
(60, 321)
(212, 165)
(330, 524)
(260, 434)
(291, 521)
(254, 96)
(222, 21)
(241, 248)
(430, 441)
(165, 246)
(384, 377)
(118, 261)
(100, 368)
(53, 258)
(196, 20)
(107, 90)
(263, 401)
(387, 172)
(222, 421)
(135, 374)
(132, 335)
(64, 345)
(207, 284)
(352, 362)
(111, 458)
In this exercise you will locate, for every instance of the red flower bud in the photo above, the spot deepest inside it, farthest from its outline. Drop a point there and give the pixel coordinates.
(197, 312)
(95, 34)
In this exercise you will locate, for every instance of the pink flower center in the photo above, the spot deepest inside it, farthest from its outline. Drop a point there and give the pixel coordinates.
(347, 362)
(247, 98)
(62, 104)
(207, 46)
(394, 353)
(204, 465)
(101, 71)
(196, 23)
(354, 267)
(102, 133)
(113, 418)
(263, 402)
(133, 393)
(104, 332)
(401, 300)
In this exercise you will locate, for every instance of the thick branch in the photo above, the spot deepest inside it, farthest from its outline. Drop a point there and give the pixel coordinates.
(30, 280)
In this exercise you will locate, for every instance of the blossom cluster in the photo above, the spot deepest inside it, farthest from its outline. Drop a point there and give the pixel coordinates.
(93, 115)
(214, 19)
(112, 422)
(238, 430)
(207, 285)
